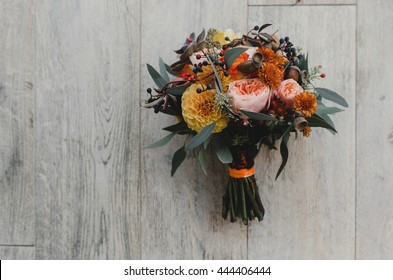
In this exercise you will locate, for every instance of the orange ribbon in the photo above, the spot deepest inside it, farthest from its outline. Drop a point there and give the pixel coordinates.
(241, 173)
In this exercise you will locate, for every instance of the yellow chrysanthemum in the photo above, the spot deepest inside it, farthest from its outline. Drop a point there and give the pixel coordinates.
(305, 103)
(200, 109)
(219, 36)
(306, 131)
(207, 77)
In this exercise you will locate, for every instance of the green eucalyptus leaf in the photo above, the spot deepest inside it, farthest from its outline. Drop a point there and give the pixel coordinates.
(317, 121)
(284, 153)
(161, 142)
(231, 55)
(160, 81)
(163, 72)
(217, 77)
(178, 158)
(201, 136)
(178, 91)
(202, 160)
(170, 70)
(332, 96)
(258, 116)
(224, 154)
(327, 110)
(207, 141)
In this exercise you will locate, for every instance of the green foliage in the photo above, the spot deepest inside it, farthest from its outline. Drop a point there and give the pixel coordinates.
(231, 55)
(200, 137)
(284, 153)
(258, 116)
(224, 154)
(332, 96)
(178, 158)
(157, 78)
(161, 142)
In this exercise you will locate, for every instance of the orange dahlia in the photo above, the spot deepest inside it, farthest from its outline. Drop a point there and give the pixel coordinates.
(305, 103)
(200, 109)
(271, 75)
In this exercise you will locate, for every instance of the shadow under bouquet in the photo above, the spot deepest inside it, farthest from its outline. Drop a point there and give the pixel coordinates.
(238, 92)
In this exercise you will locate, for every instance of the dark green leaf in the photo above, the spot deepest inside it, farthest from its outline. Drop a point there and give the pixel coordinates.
(284, 153)
(303, 63)
(202, 160)
(231, 55)
(332, 96)
(201, 136)
(258, 116)
(180, 126)
(178, 158)
(179, 90)
(317, 121)
(264, 26)
(163, 71)
(224, 154)
(161, 142)
(160, 81)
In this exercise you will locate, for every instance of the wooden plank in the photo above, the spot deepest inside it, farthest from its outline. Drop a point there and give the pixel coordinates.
(181, 215)
(325, 2)
(271, 2)
(299, 2)
(310, 209)
(16, 123)
(87, 75)
(17, 252)
(374, 222)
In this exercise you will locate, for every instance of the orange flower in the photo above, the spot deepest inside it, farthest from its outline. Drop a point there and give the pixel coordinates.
(236, 74)
(306, 131)
(305, 103)
(269, 56)
(271, 75)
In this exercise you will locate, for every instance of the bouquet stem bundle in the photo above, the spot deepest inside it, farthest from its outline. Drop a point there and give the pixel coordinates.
(241, 198)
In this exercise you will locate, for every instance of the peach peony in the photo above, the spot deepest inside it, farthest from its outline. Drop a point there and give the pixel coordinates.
(287, 91)
(249, 94)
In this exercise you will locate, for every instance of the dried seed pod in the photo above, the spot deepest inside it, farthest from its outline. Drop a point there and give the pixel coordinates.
(300, 123)
(251, 65)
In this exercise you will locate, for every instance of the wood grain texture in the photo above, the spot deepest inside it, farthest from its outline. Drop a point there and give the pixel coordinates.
(311, 207)
(299, 2)
(180, 216)
(87, 77)
(325, 2)
(16, 123)
(374, 215)
(17, 252)
(270, 2)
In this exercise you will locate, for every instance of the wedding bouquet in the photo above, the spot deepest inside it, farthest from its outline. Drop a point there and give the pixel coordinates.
(239, 92)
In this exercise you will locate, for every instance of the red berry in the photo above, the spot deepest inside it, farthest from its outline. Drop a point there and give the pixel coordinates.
(189, 40)
(198, 56)
(221, 53)
(323, 75)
